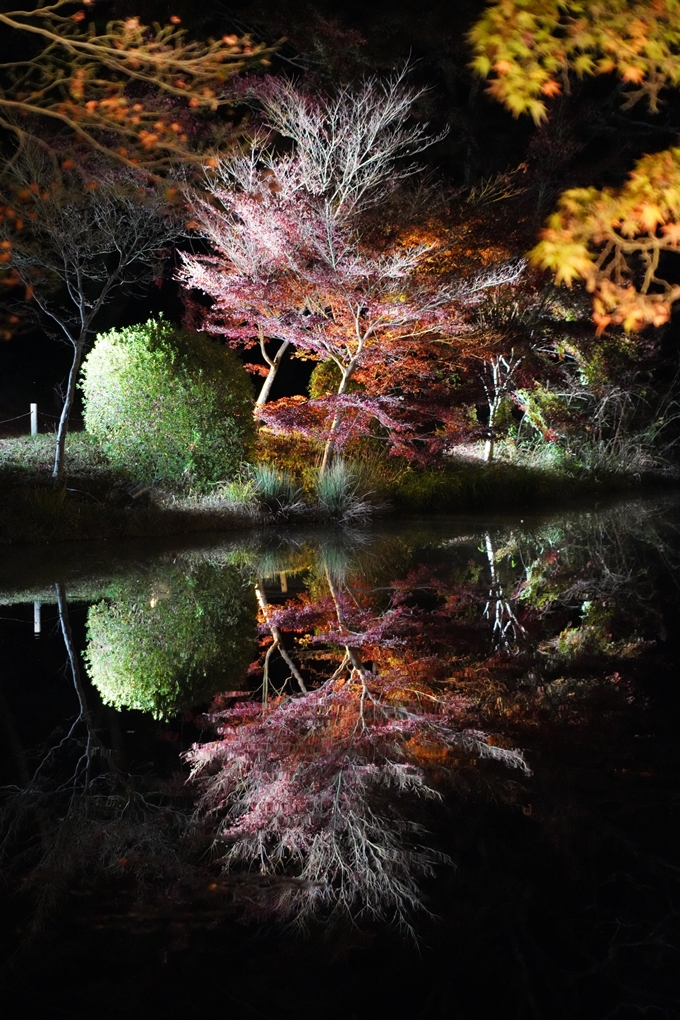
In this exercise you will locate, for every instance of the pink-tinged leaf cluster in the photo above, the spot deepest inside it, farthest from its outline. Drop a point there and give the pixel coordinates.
(361, 626)
(357, 413)
(300, 260)
(318, 787)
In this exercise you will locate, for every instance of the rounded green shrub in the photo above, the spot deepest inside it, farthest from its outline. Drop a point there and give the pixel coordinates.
(325, 379)
(165, 646)
(168, 404)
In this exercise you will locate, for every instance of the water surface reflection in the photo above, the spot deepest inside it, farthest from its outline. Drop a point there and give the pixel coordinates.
(462, 729)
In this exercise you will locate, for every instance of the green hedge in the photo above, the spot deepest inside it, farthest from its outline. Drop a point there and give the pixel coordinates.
(168, 404)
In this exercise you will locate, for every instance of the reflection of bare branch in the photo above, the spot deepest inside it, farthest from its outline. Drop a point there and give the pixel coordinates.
(350, 654)
(84, 714)
(506, 626)
(71, 818)
(277, 644)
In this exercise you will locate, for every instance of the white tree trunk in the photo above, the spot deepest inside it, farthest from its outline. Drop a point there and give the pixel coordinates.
(273, 363)
(330, 441)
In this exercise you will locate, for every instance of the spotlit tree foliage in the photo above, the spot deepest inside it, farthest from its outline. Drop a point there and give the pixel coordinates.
(614, 238)
(168, 404)
(174, 643)
(300, 259)
(125, 89)
(270, 211)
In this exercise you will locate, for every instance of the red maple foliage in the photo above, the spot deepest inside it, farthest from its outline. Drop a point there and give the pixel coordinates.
(299, 258)
(318, 786)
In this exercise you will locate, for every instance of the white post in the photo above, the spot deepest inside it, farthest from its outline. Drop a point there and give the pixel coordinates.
(36, 619)
(34, 419)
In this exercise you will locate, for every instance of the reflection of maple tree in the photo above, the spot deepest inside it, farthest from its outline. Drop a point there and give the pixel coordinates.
(613, 238)
(408, 686)
(316, 786)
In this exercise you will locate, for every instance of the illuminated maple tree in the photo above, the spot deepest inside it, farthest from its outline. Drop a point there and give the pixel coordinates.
(613, 238)
(299, 258)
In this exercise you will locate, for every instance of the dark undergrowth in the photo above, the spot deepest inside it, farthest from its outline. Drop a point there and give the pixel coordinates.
(466, 486)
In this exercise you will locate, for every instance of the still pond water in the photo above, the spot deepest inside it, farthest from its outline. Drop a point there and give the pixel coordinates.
(428, 770)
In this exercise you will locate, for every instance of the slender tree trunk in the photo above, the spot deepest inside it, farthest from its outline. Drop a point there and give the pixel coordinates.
(489, 445)
(62, 428)
(329, 448)
(502, 371)
(494, 395)
(65, 625)
(273, 363)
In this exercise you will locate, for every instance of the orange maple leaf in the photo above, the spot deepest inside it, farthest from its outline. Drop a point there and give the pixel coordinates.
(634, 74)
(671, 232)
(551, 88)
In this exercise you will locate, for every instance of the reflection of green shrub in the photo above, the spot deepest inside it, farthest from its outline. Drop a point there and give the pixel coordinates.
(173, 644)
(167, 403)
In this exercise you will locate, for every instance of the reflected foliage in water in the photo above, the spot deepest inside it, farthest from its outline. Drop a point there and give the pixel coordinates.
(499, 698)
(166, 644)
(410, 666)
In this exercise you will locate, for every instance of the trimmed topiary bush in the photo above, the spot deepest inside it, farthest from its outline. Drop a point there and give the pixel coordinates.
(172, 644)
(168, 404)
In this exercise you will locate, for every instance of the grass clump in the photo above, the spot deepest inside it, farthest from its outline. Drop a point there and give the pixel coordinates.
(239, 493)
(277, 492)
(340, 495)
